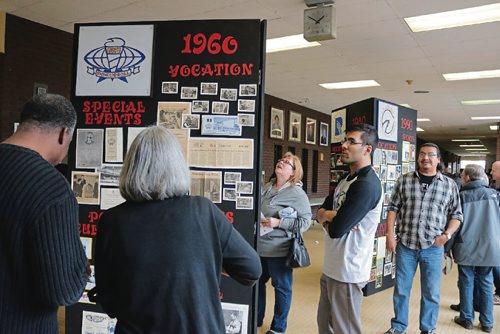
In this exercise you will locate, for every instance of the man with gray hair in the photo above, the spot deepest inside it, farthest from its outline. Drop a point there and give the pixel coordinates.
(476, 248)
(495, 175)
(42, 261)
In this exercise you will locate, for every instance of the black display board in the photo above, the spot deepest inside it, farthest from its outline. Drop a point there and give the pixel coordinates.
(217, 63)
(395, 155)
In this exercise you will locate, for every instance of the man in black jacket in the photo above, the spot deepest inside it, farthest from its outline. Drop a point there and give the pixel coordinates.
(42, 261)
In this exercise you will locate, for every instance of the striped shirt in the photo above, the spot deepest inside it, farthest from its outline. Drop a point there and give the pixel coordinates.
(422, 215)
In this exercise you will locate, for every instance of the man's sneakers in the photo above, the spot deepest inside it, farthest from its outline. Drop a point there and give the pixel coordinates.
(394, 331)
(273, 332)
(496, 300)
(432, 331)
(486, 329)
(467, 324)
(455, 307)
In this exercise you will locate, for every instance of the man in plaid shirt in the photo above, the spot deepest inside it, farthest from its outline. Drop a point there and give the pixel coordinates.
(427, 206)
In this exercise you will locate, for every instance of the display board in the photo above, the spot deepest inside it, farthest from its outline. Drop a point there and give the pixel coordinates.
(203, 80)
(394, 156)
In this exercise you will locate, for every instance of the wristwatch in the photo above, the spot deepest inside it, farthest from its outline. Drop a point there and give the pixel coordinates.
(448, 235)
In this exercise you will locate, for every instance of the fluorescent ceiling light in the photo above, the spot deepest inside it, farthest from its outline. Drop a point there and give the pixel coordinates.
(420, 129)
(454, 18)
(423, 120)
(288, 43)
(406, 105)
(481, 118)
(350, 84)
(472, 75)
(472, 145)
(480, 102)
(494, 127)
(465, 140)
(476, 149)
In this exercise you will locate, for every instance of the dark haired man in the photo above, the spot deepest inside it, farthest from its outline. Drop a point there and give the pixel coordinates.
(428, 209)
(42, 261)
(350, 217)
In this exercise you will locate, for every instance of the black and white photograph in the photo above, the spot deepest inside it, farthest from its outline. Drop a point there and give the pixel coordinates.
(244, 187)
(391, 156)
(110, 174)
(405, 168)
(201, 106)
(191, 121)
(246, 120)
(383, 173)
(231, 177)
(248, 90)
(391, 172)
(87, 246)
(323, 134)
(209, 88)
(220, 107)
(294, 126)
(170, 114)
(398, 171)
(244, 203)
(113, 146)
(97, 323)
(389, 186)
(89, 146)
(229, 194)
(310, 131)
(85, 186)
(387, 269)
(377, 157)
(246, 105)
(235, 318)
(277, 123)
(212, 186)
(387, 198)
(170, 87)
(189, 93)
(405, 151)
(228, 94)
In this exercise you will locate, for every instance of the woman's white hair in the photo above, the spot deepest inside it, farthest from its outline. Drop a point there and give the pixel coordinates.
(154, 167)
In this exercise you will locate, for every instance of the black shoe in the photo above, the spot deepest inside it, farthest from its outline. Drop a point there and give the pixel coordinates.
(455, 307)
(467, 324)
(486, 329)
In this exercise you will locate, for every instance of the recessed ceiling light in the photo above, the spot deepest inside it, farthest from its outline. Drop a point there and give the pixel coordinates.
(479, 102)
(465, 139)
(476, 149)
(494, 127)
(421, 91)
(480, 118)
(423, 120)
(472, 75)
(350, 84)
(454, 18)
(288, 43)
(420, 129)
(472, 145)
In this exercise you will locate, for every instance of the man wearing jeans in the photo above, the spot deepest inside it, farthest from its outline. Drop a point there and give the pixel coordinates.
(428, 209)
(476, 248)
(495, 175)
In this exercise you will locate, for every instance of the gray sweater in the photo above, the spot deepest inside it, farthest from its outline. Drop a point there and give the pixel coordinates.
(277, 242)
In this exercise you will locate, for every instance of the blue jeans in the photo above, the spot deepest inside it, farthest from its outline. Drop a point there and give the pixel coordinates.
(282, 280)
(480, 294)
(430, 261)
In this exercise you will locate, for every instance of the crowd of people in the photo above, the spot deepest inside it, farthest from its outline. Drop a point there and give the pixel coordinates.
(150, 277)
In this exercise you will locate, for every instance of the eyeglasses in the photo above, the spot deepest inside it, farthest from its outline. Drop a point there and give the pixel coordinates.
(430, 155)
(286, 162)
(351, 141)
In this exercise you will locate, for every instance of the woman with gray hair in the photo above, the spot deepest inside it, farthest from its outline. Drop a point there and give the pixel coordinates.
(159, 255)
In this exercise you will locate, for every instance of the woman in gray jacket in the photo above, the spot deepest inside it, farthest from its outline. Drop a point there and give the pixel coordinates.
(285, 207)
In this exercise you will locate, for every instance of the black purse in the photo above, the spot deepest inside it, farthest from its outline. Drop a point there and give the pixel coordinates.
(298, 257)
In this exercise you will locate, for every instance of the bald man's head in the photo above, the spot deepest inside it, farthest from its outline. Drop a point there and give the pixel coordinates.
(495, 171)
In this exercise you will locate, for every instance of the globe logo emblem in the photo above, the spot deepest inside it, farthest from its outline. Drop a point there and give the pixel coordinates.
(114, 60)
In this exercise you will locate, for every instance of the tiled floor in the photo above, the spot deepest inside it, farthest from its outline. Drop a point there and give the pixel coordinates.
(376, 311)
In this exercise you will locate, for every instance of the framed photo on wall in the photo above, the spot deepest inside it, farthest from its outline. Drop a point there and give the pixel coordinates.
(294, 126)
(277, 123)
(310, 131)
(323, 134)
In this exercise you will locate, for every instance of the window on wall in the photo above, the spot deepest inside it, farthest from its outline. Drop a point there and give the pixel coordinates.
(278, 152)
(314, 186)
(304, 160)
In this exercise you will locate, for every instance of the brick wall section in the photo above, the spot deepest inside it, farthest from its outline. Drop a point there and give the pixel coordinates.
(33, 53)
(269, 143)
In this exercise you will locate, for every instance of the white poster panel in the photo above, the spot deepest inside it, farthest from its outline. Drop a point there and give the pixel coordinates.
(114, 60)
(338, 125)
(387, 121)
